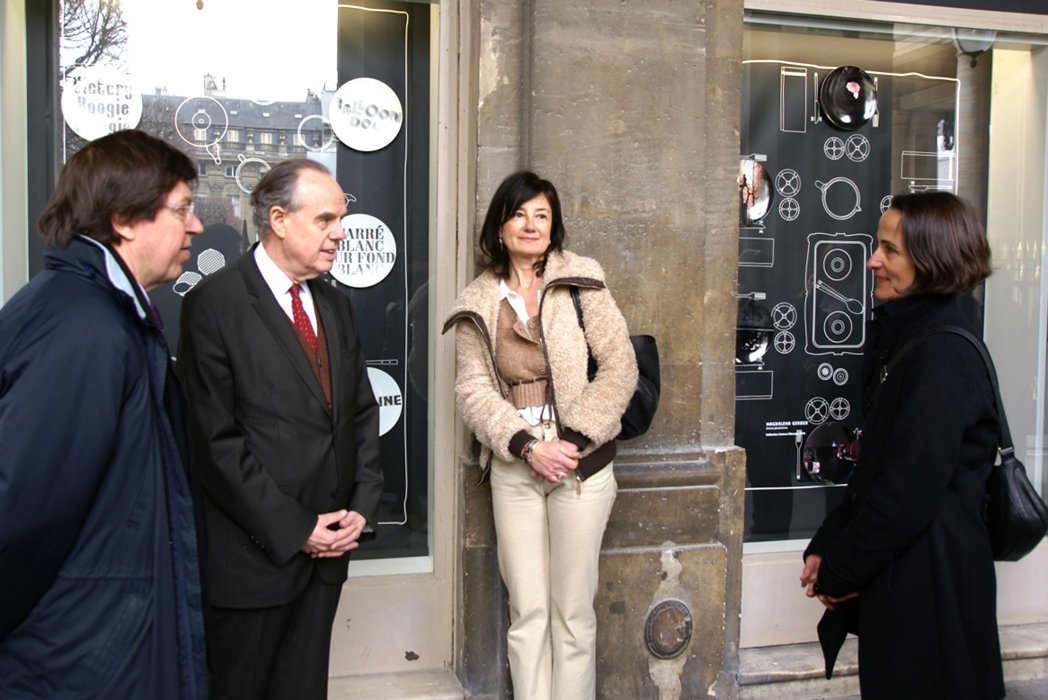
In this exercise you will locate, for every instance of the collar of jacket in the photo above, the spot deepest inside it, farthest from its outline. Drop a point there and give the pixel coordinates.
(91, 260)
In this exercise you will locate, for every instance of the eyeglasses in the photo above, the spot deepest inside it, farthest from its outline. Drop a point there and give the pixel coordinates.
(182, 211)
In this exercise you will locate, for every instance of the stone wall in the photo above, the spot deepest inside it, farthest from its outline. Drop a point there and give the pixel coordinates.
(632, 110)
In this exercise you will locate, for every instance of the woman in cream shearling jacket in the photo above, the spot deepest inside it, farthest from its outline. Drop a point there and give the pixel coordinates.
(588, 412)
(548, 458)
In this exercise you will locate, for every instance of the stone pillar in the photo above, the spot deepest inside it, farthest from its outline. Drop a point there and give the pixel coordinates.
(632, 110)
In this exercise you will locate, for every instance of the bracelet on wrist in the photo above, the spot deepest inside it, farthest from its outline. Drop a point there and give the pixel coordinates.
(528, 450)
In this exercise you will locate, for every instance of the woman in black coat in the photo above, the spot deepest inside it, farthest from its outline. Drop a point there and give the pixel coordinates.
(905, 561)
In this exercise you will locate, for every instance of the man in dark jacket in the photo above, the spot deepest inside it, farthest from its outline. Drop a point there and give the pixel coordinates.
(99, 570)
(285, 428)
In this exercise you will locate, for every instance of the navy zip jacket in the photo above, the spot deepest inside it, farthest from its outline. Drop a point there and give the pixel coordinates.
(99, 572)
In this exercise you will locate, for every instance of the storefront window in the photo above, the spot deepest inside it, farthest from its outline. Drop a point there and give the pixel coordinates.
(838, 116)
(239, 86)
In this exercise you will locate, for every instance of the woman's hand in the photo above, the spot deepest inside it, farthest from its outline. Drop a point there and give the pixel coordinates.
(550, 461)
(811, 573)
(810, 577)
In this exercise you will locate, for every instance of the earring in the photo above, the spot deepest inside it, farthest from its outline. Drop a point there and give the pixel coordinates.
(500, 242)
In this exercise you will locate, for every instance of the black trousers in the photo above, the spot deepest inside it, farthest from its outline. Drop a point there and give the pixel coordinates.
(277, 653)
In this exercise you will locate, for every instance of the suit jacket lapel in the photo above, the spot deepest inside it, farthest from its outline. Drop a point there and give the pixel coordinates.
(265, 304)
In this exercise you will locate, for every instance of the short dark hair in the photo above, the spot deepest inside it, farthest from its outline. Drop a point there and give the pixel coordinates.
(124, 176)
(513, 193)
(278, 188)
(945, 240)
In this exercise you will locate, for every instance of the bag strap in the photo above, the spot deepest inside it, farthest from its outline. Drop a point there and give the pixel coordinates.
(1004, 440)
(578, 305)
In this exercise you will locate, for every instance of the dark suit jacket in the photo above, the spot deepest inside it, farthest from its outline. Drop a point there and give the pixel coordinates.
(273, 456)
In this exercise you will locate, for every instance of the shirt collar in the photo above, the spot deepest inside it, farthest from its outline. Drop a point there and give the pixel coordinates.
(276, 279)
(118, 278)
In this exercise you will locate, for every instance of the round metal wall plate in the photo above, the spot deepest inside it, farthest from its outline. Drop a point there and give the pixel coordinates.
(668, 629)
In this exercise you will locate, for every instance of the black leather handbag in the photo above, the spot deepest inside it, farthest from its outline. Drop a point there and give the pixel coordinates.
(645, 400)
(1015, 514)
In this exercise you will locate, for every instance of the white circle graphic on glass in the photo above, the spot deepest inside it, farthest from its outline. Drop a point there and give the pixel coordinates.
(825, 371)
(837, 265)
(97, 101)
(837, 326)
(367, 254)
(886, 203)
(789, 209)
(840, 407)
(325, 136)
(817, 410)
(204, 117)
(833, 148)
(783, 315)
(857, 148)
(845, 197)
(785, 342)
(249, 172)
(788, 182)
(366, 114)
(389, 397)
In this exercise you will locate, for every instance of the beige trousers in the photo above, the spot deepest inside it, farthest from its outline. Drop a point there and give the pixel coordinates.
(549, 539)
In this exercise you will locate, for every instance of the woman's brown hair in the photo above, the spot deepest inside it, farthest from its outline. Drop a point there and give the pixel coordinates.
(945, 240)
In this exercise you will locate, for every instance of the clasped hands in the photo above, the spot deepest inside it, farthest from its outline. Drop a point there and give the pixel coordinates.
(551, 461)
(810, 576)
(335, 534)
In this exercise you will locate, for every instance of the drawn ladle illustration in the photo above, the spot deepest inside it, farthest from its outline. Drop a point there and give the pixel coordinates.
(853, 305)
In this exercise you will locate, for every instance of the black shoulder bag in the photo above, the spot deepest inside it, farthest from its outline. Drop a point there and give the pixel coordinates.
(645, 400)
(1015, 514)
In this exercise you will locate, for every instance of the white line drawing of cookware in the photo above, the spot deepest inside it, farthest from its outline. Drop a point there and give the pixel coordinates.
(817, 410)
(835, 273)
(833, 148)
(325, 126)
(837, 327)
(754, 384)
(853, 305)
(840, 407)
(788, 182)
(857, 148)
(837, 264)
(784, 315)
(789, 209)
(928, 170)
(755, 296)
(826, 186)
(784, 342)
(206, 114)
(886, 203)
(756, 251)
(816, 113)
(826, 372)
(793, 99)
(263, 168)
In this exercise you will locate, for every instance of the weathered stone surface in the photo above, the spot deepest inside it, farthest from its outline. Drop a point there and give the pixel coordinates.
(633, 581)
(632, 110)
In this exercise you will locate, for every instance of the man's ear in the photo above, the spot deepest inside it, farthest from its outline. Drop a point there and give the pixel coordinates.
(124, 231)
(278, 221)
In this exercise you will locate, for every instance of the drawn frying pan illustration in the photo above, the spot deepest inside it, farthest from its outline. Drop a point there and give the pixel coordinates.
(848, 97)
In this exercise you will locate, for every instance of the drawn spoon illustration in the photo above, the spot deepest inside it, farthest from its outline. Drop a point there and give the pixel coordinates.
(853, 305)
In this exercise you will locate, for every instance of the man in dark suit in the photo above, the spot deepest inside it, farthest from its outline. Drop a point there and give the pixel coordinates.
(285, 425)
